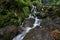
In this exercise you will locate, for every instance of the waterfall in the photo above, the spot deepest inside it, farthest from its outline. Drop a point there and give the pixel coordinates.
(27, 29)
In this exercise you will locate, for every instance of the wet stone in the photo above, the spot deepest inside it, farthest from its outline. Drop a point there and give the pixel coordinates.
(9, 32)
(51, 24)
(28, 22)
(38, 34)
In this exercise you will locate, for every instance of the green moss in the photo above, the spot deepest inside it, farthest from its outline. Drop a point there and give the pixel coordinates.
(21, 2)
(10, 18)
(26, 11)
(12, 12)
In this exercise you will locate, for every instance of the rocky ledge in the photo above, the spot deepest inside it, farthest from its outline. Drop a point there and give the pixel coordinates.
(9, 32)
(38, 34)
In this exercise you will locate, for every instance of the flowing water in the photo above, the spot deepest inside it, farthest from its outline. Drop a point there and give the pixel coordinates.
(27, 29)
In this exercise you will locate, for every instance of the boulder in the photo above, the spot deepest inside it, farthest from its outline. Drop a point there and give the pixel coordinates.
(9, 32)
(51, 24)
(38, 34)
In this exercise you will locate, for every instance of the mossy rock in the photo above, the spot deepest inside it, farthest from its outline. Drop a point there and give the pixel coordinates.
(8, 32)
(28, 22)
(41, 15)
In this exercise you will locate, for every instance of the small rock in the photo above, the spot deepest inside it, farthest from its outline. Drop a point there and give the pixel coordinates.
(28, 22)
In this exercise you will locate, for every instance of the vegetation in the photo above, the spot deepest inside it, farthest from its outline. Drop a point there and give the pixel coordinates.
(13, 12)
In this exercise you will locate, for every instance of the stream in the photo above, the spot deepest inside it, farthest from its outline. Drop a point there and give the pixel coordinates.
(27, 29)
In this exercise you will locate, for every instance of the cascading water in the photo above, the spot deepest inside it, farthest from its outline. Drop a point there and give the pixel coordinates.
(27, 29)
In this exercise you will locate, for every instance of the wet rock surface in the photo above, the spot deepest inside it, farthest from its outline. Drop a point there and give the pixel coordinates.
(50, 23)
(8, 32)
(38, 34)
(50, 30)
(28, 22)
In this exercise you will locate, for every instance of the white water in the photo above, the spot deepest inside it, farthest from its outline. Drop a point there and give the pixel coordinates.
(27, 29)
